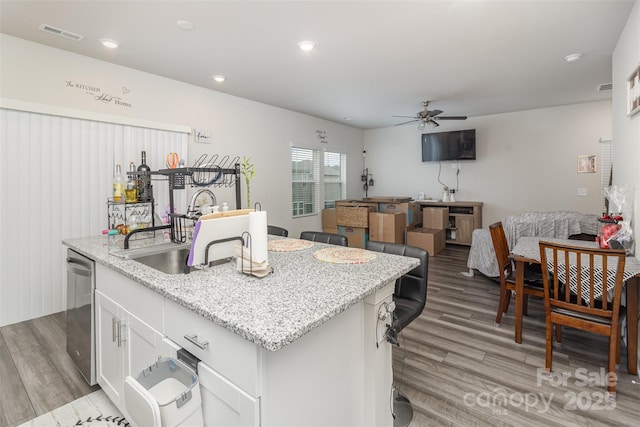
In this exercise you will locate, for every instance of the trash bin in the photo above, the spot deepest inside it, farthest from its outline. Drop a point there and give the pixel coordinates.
(165, 394)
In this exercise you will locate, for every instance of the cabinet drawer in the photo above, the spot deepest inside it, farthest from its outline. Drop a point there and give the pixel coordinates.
(232, 356)
(224, 404)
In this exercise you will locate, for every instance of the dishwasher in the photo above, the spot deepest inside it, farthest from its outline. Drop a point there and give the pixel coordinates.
(80, 314)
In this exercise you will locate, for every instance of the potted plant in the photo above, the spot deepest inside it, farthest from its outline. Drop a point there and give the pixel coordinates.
(247, 170)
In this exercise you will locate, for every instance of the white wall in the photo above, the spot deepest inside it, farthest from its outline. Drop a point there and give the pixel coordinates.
(626, 129)
(525, 161)
(60, 83)
(36, 73)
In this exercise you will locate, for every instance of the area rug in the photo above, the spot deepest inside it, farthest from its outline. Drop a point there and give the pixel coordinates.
(92, 410)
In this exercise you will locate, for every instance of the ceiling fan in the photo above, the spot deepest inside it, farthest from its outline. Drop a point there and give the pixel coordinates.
(428, 117)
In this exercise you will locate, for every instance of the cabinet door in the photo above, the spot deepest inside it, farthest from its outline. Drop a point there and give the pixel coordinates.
(465, 229)
(144, 345)
(223, 403)
(110, 356)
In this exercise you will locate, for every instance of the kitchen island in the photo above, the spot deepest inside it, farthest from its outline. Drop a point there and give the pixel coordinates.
(302, 346)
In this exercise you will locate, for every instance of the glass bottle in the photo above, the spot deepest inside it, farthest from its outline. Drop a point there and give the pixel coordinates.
(118, 185)
(131, 190)
(144, 180)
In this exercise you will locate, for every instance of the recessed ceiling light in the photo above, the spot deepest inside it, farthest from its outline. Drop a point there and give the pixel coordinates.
(573, 57)
(306, 45)
(346, 118)
(185, 25)
(219, 78)
(111, 44)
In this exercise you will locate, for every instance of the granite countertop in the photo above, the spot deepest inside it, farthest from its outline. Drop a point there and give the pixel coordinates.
(301, 294)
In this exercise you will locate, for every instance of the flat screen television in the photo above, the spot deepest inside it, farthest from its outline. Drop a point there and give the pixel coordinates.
(452, 145)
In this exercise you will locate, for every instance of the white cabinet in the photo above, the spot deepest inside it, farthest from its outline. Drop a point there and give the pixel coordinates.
(109, 354)
(230, 355)
(223, 403)
(126, 346)
(125, 343)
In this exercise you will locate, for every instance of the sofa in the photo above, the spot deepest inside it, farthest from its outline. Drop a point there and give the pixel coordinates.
(558, 224)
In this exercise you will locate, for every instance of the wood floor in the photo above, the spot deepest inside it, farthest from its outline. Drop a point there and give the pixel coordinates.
(459, 369)
(36, 374)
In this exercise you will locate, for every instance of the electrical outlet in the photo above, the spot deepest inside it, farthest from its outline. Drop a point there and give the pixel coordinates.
(582, 191)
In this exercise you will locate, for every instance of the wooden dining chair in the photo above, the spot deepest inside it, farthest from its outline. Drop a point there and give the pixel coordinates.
(532, 277)
(590, 302)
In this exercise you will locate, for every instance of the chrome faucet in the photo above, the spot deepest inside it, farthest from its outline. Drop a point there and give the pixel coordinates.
(191, 210)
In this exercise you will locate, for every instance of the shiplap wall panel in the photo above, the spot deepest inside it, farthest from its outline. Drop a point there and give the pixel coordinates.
(56, 175)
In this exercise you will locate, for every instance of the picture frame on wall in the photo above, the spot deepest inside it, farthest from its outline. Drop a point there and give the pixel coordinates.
(587, 164)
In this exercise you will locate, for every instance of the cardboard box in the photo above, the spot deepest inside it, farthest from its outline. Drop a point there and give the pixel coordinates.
(429, 239)
(329, 219)
(357, 203)
(433, 217)
(410, 209)
(353, 216)
(387, 227)
(357, 236)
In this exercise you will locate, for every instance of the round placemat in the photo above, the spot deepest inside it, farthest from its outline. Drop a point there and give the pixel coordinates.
(289, 245)
(344, 255)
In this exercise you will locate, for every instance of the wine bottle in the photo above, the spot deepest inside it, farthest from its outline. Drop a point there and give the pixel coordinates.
(144, 180)
(118, 185)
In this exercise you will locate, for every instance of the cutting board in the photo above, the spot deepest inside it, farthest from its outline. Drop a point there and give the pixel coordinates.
(217, 226)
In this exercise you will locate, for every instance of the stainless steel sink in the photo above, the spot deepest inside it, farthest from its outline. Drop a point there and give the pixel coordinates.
(171, 261)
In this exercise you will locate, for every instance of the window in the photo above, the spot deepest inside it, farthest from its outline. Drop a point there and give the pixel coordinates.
(335, 178)
(305, 181)
(605, 155)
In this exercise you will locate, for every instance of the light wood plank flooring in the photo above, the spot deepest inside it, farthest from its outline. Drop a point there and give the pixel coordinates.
(459, 369)
(36, 374)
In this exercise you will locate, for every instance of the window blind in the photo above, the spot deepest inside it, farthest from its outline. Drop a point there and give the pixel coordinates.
(305, 181)
(55, 179)
(606, 166)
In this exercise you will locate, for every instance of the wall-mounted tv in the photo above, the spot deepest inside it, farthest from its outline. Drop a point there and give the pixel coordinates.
(453, 145)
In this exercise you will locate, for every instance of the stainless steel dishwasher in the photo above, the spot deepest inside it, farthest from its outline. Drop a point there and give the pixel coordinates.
(80, 314)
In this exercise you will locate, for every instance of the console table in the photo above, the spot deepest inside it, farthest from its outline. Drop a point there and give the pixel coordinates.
(464, 217)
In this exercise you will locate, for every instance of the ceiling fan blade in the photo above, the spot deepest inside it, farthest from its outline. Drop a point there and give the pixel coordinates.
(451, 118)
(435, 113)
(404, 123)
(407, 117)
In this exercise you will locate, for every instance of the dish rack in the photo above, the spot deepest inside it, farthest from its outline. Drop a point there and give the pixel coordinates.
(207, 171)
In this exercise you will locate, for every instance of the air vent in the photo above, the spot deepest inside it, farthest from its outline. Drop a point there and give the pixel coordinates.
(60, 32)
(604, 87)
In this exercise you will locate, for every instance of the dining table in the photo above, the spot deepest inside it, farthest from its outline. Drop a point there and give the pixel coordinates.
(527, 250)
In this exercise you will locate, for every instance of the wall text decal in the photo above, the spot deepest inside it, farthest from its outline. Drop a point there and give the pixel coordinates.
(100, 96)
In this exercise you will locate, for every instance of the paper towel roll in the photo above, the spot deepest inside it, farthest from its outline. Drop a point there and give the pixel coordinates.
(258, 230)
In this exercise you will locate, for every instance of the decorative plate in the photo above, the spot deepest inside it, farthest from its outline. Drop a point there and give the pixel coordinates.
(344, 255)
(289, 245)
